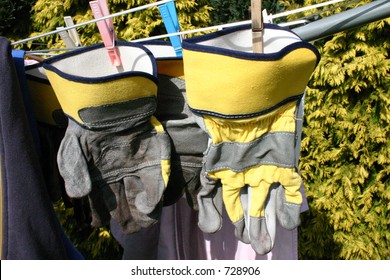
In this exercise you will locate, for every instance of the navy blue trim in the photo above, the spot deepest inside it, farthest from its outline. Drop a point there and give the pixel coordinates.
(97, 80)
(193, 45)
(169, 58)
(233, 29)
(156, 43)
(98, 46)
(251, 115)
(32, 66)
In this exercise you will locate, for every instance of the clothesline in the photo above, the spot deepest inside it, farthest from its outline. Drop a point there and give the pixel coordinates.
(315, 30)
(133, 10)
(215, 27)
(267, 18)
(352, 18)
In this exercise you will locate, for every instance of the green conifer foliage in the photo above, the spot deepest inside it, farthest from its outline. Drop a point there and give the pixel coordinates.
(345, 149)
(15, 18)
(49, 14)
(226, 11)
(345, 155)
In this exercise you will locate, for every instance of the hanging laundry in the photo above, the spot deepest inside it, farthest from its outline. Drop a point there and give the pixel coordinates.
(31, 229)
(114, 150)
(247, 103)
(51, 126)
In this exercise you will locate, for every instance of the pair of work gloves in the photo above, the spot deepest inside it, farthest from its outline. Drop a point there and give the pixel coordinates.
(131, 144)
(250, 105)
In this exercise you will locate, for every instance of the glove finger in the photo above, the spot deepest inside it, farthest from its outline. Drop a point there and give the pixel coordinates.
(154, 175)
(183, 180)
(147, 188)
(192, 177)
(73, 166)
(210, 205)
(289, 200)
(233, 190)
(100, 214)
(186, 166)
(139, 218)
(288, 213)
(111, 202)
(260, 221)
(241, 227)
(176, 184)
(164, 143)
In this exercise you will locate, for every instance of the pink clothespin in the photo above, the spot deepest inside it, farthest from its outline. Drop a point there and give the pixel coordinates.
(106, 29)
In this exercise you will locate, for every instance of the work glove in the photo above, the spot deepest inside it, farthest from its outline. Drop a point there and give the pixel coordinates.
(247, 103)
(114, 150)
(188, 140)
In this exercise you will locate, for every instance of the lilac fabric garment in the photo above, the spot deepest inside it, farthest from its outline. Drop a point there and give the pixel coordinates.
(181, 239)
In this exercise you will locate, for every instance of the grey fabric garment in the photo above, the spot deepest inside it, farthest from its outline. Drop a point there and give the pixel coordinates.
(188, 141)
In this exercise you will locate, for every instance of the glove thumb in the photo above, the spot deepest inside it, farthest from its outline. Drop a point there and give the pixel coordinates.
(210, 205)
(73, 167)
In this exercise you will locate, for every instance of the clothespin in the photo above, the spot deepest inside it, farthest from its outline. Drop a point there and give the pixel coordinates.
(72, 32)
(257, 26)
(106, 29)
(70, 36)
(267, 18)
(171, 22)
(66, 38)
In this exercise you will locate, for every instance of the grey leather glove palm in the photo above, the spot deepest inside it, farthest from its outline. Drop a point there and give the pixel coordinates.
(114, 150)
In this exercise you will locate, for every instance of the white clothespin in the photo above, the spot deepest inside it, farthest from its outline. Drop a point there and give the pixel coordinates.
(106, 29)
(66, 38)
(72, 32)
(69, 36)
(267, 18)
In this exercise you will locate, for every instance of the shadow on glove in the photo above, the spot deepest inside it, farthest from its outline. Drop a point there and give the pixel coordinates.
(188, 140)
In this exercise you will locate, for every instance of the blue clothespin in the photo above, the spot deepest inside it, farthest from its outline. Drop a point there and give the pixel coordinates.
(171, 22)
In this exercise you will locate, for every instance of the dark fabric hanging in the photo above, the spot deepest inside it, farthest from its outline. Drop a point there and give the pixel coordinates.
(30, 227)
